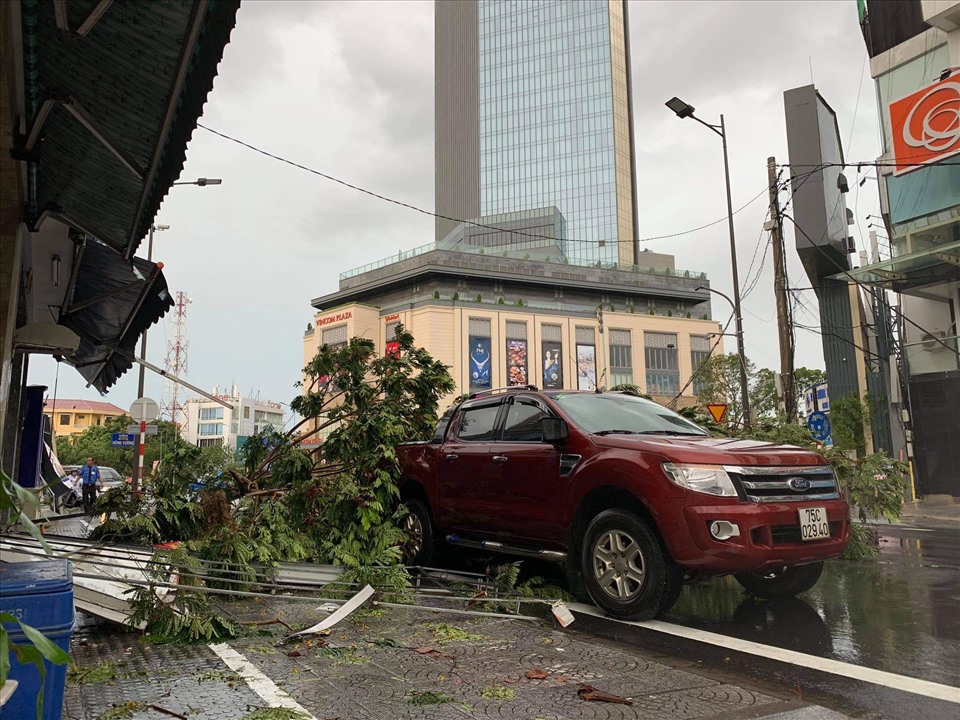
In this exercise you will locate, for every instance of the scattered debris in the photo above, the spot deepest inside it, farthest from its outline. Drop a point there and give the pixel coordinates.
(343, 611)
(589, 692)
(275, 621)
(171, 713)
(274, 713)
(497, 693)
(428, 697)
(121, 711)
(451, 633)
(562, 613)
(430, 651)
(537, 674)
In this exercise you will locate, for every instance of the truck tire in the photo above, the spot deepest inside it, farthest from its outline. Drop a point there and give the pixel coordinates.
(786, 583)
(420, 547)
(624, 566)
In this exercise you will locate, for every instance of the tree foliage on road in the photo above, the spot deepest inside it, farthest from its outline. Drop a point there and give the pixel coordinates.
(338, 503)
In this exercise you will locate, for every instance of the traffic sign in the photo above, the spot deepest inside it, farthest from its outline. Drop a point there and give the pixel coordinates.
(718, 411)
(135, 429)
(144, 410)
(819, 424)
(121, 440)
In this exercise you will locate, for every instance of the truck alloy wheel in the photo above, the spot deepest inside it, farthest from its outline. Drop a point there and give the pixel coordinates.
(420, 545)
(782, 583)
(625, 568)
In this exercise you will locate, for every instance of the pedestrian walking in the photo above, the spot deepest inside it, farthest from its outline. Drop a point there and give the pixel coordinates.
(90, 479)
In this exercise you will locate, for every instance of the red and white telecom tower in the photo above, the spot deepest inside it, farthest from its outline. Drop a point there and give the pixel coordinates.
(176, 362)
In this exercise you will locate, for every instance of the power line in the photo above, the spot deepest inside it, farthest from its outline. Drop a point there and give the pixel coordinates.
(415, 208)
(863, 285)
(702, 364)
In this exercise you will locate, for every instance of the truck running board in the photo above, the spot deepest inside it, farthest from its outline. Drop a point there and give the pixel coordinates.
(552, 555)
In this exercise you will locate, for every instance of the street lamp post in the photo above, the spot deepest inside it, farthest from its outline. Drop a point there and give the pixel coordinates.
(684, 110)
(744, 388)
(135, 473)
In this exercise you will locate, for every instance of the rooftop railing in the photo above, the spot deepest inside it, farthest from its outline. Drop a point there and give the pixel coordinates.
(511, 254)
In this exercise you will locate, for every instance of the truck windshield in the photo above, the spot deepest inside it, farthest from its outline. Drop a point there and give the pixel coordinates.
(612, 413)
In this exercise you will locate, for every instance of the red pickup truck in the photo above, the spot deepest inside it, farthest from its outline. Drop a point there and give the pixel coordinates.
(635, 499)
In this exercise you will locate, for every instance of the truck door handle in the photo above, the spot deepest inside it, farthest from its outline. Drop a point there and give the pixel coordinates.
(451, 457)
(500, 458)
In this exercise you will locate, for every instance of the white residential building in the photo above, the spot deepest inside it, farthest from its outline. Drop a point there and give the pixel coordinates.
(210, 423)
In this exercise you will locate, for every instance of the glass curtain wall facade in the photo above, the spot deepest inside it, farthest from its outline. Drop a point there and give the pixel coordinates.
(553, 118)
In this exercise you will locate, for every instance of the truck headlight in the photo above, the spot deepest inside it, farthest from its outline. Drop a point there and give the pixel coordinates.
(707, 479)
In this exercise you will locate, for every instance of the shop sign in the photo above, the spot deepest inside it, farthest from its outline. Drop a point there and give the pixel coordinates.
(339, 317)
(391, 318)
(925, 125)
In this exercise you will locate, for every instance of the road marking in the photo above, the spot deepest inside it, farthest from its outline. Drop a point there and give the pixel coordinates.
(836, 667)
(257, 681)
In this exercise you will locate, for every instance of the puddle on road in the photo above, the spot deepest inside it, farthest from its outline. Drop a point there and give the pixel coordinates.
(900, 615)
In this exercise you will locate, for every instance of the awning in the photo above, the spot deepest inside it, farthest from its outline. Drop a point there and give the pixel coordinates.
(933, 266)
(109, 304)
(113, 92)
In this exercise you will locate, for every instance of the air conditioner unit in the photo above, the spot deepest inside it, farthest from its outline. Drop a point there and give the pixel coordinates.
(932, 341)
(45, 338)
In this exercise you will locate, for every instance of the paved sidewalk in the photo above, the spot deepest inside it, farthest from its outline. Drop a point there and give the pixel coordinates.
(391, 663)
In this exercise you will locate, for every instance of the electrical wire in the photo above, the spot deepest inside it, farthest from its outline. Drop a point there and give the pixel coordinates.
(864, 286)
(415, 208)
(673, 403)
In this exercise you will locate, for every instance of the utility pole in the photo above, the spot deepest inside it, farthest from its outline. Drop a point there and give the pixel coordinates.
(780, 291)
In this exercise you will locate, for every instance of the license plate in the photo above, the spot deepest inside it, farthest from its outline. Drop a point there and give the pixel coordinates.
(813, 523)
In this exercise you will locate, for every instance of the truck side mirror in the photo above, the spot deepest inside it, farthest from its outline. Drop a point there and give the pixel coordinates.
(555, 429)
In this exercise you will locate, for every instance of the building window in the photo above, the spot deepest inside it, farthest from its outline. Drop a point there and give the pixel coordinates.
(334, 337)
(211, 413)
(211, 428)
(246, 412)
(558, 292)
(621, 358)
(663, 369)
(64, 419)
(209, 442)
(699, 352)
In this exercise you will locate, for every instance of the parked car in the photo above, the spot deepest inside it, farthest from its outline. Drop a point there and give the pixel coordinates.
(635, 499)
(108, 476)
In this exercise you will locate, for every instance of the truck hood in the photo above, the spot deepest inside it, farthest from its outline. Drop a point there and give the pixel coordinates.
(713, 451)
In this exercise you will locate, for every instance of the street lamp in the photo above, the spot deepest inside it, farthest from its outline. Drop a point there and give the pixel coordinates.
(135, 473)
(201, 182)
(684, 110)
(744, 388)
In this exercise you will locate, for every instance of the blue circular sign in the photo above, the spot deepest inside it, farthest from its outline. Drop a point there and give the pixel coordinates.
(819, 424)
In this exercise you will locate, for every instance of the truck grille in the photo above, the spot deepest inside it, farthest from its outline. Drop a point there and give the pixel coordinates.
(784, 484)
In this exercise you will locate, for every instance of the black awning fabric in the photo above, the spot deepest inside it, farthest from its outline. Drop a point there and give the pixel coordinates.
(110, 327)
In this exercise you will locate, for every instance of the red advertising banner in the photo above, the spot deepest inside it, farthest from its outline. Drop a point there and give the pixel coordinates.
(925, 125)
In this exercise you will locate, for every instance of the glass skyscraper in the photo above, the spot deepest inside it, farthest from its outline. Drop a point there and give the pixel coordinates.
(533, 112)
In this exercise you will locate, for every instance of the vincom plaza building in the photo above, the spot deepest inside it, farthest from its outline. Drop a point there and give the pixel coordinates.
(535, 274)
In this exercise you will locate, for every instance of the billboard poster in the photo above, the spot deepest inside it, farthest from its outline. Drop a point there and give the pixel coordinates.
(586, 367)
(479, 362)
(552, 366)
(516, 362)
(393, 348)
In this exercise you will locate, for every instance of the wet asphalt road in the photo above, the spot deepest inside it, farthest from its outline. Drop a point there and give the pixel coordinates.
(899, 613)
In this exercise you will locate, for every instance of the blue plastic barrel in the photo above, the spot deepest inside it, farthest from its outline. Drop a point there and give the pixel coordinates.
(39, 594)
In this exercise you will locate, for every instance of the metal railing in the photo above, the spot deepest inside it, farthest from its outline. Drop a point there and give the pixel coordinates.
(493, 253)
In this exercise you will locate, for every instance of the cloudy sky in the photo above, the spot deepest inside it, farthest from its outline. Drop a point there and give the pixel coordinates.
(347, 88)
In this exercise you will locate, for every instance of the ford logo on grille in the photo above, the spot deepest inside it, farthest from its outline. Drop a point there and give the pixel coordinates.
(799, 484)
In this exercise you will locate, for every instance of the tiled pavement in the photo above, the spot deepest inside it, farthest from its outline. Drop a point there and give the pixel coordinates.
(369, 668)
